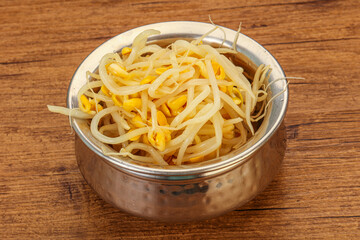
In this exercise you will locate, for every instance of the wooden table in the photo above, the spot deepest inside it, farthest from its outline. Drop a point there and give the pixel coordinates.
(316, 194)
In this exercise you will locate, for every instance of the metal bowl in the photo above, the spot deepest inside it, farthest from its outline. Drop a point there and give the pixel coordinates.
(191, 192)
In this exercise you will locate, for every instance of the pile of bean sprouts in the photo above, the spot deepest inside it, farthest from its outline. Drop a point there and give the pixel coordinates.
(179, 104)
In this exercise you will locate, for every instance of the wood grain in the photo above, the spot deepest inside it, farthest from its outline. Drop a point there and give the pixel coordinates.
(316, 194)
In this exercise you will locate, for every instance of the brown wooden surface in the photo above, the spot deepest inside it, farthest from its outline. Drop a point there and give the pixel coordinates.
(316, 194)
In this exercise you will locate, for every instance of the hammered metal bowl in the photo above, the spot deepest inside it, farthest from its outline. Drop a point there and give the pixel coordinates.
(192, 192)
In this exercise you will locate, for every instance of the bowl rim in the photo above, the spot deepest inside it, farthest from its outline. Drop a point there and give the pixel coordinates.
(241, 158)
